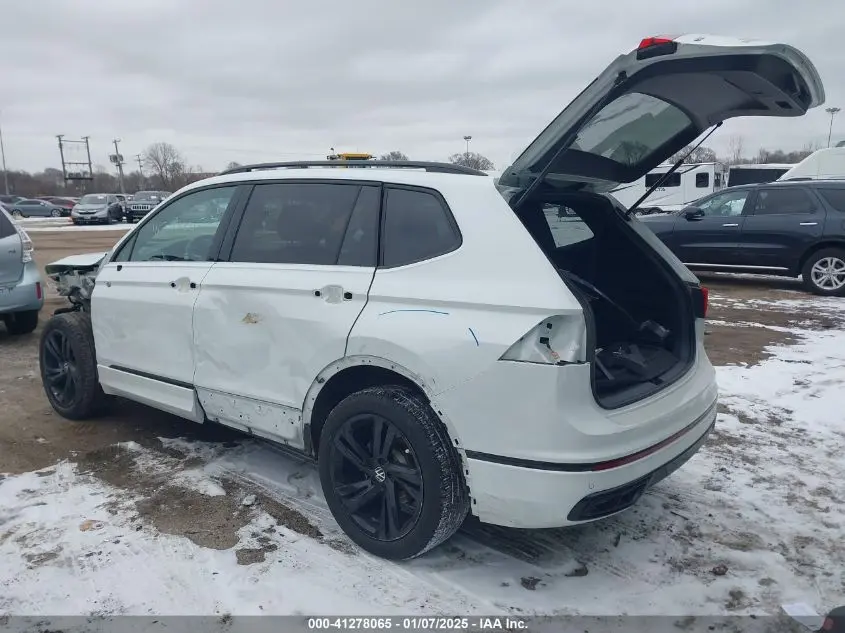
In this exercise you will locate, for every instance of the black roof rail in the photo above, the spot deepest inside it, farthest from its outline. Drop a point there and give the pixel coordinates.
(442, 168)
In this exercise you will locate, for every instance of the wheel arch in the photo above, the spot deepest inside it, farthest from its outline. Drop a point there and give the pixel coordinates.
(354, 373)
(809, 252)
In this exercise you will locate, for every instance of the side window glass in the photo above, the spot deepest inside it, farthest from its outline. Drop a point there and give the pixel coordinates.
(834, 197)
(6, 227)
(295, 223)
(360, 244)
(125, 251)
(702, 180)
(786, 201)
(417, 226)
(183, 230)
(725, 205)
(566, 225)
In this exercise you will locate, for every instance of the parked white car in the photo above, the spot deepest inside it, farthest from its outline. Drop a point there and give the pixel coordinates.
(529, 352)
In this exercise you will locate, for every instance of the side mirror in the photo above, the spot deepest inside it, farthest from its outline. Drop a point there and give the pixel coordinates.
(693, 213)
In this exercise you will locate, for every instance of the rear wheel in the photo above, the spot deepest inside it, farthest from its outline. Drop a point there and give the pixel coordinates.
(21, 322)
(69, 367)
(390, 475)
(17, 214)
(55, 213)
(824, 272)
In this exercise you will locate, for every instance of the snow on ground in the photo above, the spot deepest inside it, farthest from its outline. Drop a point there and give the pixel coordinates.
(31, 225)
(755, 520)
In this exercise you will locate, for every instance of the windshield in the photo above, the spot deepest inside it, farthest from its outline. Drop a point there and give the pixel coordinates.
(93, 198)
(148, 196)
(630, 129)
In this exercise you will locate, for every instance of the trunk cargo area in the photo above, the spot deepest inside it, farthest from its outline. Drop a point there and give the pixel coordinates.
(639, 313)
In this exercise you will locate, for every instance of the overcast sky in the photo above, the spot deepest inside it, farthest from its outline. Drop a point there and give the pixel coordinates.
(258, 80)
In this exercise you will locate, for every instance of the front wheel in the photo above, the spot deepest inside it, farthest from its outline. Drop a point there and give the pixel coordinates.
(69, 366)
(391, 477)
(824, 272)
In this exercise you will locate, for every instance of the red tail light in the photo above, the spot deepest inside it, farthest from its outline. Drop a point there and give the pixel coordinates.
(38, 293)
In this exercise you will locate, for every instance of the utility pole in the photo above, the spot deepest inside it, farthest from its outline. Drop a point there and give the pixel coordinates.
(140, 160)
(62, 154)
(118, 161)
(5, 171)
(832, 112)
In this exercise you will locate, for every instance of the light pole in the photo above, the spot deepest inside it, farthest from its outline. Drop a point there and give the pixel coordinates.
(5, 171)
(832, 112)
(467, 139)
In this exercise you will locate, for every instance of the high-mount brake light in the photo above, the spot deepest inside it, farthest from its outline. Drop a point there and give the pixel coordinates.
(648, 42)
(656, 46)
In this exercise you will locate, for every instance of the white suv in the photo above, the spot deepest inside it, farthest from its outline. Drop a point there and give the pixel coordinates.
(528, 352)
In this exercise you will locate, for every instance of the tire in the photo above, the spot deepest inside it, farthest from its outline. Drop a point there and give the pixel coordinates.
(66, 351)
(419, 450)
(18, 323)
(55, 213)
(824, 272)
(17, 214)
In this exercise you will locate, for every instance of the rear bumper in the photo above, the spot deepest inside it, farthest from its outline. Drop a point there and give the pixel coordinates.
(25, 294)
(523, 497)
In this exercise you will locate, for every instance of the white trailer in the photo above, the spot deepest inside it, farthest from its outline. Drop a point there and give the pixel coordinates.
(823, 164)
(687, 184)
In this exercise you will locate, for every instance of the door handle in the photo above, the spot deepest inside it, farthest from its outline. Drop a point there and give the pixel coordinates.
(807, 223)
(729, 224)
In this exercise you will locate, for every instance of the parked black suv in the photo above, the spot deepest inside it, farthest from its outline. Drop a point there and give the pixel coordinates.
(786, 228)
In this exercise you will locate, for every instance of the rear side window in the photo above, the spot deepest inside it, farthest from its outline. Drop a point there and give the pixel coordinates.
(417, 226)
(303, 223)
(783, 201)
(566, 225)
(702, 180)
(834, 197)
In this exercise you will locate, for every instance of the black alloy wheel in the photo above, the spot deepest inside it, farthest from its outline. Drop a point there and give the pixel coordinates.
(61, 372)
(377, 477)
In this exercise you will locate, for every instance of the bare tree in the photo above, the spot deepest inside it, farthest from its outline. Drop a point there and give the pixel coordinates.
(736, 146)
(165, 162)
(473, 160)
(394, 155)
(698, 155)
(233, 165)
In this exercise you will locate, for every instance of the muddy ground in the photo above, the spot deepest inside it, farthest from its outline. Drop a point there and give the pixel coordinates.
(32, 436)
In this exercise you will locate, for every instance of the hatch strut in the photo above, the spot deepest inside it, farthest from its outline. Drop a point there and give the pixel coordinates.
(567, 140)
(671, 171)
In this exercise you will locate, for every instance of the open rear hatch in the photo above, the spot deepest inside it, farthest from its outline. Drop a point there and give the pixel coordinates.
(647, 105)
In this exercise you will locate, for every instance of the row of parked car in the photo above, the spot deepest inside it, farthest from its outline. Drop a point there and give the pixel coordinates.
(92, 208)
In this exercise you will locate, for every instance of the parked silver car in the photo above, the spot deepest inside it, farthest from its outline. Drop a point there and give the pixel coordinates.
(98, 208)
(21, 290)
(27, 207)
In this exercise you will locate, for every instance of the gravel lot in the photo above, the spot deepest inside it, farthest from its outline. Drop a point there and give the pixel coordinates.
(707, 538)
